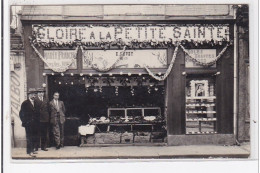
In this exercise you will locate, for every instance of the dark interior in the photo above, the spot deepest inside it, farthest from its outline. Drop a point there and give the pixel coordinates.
(80, 103)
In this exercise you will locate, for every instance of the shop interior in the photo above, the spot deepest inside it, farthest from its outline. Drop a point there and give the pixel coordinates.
(125, 109)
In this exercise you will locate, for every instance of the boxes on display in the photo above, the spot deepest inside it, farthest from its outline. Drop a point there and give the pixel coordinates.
(116, 114)
(142, 137)
(99, 120)
(152, 114)
(149, 114)
(107, 138)
(90, 139)
(134, 114)
(127, 138)
(157, 137)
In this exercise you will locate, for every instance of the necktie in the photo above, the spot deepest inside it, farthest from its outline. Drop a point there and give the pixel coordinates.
(57, 105)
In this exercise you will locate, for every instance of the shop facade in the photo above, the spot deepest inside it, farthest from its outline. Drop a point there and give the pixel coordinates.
(162, 79)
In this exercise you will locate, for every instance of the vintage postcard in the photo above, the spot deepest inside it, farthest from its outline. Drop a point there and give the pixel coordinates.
(129, 81)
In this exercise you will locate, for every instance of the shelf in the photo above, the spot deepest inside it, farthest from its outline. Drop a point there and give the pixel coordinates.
(201, 119)
(200, 98)
(137, 115)
(207, 132)
(129, 123)
(200, 105)
(202, 112)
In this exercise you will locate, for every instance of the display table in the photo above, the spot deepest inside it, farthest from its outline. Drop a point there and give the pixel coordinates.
(131, 124)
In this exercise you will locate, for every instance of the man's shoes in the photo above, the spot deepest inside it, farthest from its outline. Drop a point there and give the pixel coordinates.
(44, 149)
(32, 155)
(61, 145)
(35, 152)
(58, 147)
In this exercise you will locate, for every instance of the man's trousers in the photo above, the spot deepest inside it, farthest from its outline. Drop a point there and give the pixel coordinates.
(58, 133)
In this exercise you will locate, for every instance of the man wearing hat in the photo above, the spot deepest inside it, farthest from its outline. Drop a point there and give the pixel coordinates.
(29, 116)
(44, 118)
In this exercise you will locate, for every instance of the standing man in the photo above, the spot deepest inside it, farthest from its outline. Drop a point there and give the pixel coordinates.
(29, 116)
(57, 112)
(44, 118)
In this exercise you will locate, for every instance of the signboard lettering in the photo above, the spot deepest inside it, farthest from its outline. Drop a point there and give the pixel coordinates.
(60, 58)
(90, 33)
(130, 59)
(203, 55)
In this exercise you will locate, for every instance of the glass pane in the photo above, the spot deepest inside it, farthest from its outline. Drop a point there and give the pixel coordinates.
(200, 105)
(134, 112)
(152, 112)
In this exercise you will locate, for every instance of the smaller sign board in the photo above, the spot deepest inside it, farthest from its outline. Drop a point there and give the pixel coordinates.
(60, 58)
(153, 58)
(202, 55)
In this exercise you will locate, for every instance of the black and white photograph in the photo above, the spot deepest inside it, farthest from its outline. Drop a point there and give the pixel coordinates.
(129, 81)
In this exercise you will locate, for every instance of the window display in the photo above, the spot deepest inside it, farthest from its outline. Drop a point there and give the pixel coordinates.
(200, 105)
(119, 108)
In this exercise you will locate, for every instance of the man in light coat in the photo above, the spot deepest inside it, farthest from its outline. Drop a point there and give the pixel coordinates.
(57, 119)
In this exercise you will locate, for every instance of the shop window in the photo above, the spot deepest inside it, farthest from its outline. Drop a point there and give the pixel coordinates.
(201, 104)
(117, 104)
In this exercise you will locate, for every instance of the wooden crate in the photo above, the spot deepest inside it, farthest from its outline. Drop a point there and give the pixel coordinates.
(127, 138)
(157, 140)
(90, 139)
(142, 137)
(107, 138)
(157, 137)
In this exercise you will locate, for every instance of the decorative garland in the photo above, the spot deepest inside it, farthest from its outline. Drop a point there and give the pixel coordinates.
(161, 78)
(56, 69)
(203, 63)
(106, 69)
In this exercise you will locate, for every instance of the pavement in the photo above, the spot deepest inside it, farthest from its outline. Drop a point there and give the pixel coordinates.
(138, 152)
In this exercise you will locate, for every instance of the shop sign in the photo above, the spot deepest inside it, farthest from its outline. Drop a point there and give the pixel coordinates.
(127, 33)
(129, 58)
(202, 55)
(60, 58)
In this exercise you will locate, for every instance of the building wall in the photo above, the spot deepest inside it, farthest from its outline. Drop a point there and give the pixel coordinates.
(18, 95)
(128, 12)
(243, 74)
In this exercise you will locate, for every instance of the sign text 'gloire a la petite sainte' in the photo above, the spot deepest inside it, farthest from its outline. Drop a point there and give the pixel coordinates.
(91, 33)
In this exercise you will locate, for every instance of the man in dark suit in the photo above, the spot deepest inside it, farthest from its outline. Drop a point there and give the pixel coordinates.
(29, 117)
(44, 118)
(57, 115)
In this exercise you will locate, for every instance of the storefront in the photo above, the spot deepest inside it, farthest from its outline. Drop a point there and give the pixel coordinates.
(153, 81)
